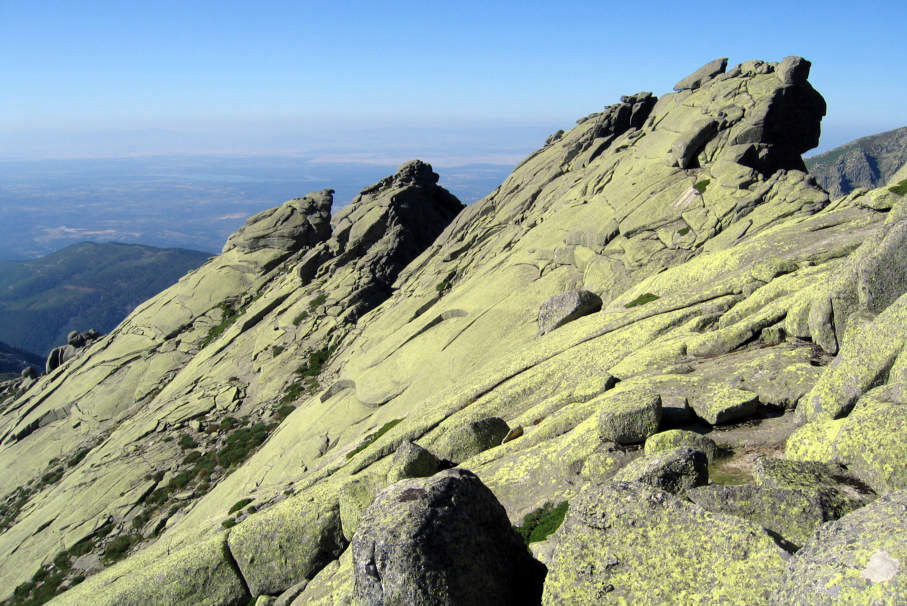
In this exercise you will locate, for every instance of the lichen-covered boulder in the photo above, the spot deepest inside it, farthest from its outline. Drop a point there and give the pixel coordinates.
(442, 540)
(459, 443)
(702, 75)
(632, 543)
(676, 438)
(717, 404)
(201, 573)
(566, 307)
(671, 470)
(840, 491)
(293, 540)
(791, 513)
(859, 559)
(628, 416)
(412, 461)
(355, 496)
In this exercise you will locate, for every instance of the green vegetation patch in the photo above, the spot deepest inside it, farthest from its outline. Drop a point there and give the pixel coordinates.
(283, 412)
(372, 437)
(318, 301)
(899, 189)
(239, 505)
(701, 185)
(444, 285)
(52, 477)
(276, 350)
(642, 300)
(228, 523)
(541, 523)
(117, 548)
(684, 231)
(186, 442)
(228, 317)
(240, 443)
(298, 320)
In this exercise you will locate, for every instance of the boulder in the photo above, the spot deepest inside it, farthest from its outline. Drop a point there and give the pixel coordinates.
(840, 491)
(717, 404)
(202, 573)
(290, 542)
(355, 496)
(674, 470)
(459, 443)
(676, 438)
(412, 461)
(793, 514)
(793, 70)
(859, 559)
(566, 307)
(628, 416)
(633, 543)
(442, 540)
(702, 75)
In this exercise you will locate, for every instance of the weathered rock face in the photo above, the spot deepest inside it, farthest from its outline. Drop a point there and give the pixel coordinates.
(566, 307)
(732, 290)
(635, 543)
(442, 540)
(860, 559)
(674, 470)
(298, 223)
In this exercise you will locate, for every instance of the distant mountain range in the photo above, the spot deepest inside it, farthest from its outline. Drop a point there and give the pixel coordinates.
(87, 285)
(13, 360)
(866, 162)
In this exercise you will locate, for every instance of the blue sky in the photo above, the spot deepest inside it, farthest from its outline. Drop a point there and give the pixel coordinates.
(479, 79)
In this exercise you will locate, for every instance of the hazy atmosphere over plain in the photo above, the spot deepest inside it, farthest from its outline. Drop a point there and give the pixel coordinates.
(454, 83)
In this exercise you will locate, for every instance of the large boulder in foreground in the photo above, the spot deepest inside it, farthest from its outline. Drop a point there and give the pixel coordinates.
(859, 559)
(632, 543)
(443, 540)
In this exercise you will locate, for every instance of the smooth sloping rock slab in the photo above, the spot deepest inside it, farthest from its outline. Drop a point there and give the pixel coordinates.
(442, 540)
(717, 404)
(628, 416)
(632, 543)
(566, 307)
(289, 542)
(672, 470)
(676, 438)
(859, 559)
(200, 574)
(793, 514)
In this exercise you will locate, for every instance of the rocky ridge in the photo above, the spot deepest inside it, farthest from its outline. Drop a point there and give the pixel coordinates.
(735, 301)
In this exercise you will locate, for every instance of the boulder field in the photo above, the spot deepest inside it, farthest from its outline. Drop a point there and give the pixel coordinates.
(657, 364)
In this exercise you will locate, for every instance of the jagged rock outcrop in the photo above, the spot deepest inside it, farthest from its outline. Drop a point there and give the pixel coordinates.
(868, 162)
(442, 540)
(298, 223)
(733, 290)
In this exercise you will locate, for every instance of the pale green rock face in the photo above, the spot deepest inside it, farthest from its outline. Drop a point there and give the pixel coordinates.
(676, 438)
(636, 544)
(628, 416)
(731, 289)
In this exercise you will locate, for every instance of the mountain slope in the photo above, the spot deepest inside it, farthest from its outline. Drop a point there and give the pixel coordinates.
(13, 360)
(87, 285)
(231, 431)
(866, 162)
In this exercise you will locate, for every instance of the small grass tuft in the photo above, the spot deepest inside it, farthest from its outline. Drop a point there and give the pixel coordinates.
(444, 285)
(117, 548)
(276, 350)
(899, 189)
(228, 316)
(186, 442)
(283, 412)
(317, 301)
(642, 300)
(541, 523)
(701, 185)
(372, 437)
(228, 523)
(684, 231)
(298, 320)
(239, 505)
